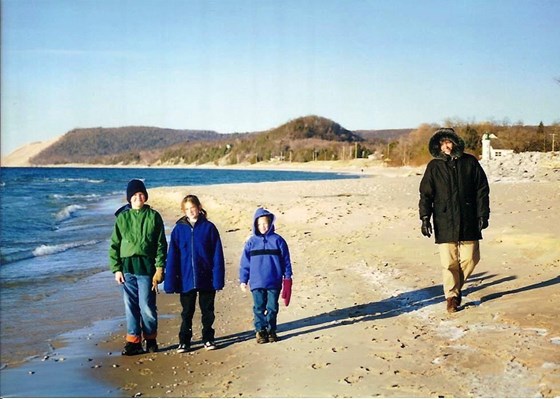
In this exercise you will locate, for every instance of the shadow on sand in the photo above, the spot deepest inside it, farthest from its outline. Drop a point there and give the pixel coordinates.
(391, 307)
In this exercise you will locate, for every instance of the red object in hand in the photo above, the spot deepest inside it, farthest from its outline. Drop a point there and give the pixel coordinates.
(286, 290)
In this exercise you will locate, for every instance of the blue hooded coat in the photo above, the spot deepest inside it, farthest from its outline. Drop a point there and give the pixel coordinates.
(195, 259)
(266, 259)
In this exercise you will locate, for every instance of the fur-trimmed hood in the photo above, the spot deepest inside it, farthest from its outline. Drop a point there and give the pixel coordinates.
(449, 134)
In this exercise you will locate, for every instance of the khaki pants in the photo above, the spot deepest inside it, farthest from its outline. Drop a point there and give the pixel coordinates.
(458, 260)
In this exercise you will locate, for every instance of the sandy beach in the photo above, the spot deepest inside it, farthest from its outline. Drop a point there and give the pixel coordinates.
(367, 316)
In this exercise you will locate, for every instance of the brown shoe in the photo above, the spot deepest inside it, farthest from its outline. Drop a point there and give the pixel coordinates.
(272, 337)
(452, 304)
(262, 337)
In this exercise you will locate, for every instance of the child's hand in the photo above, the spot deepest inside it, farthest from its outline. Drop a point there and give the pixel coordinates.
(119, 277)
(243, 287)
(158, 276)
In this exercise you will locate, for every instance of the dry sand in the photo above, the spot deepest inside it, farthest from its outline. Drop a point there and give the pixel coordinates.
(367, 316)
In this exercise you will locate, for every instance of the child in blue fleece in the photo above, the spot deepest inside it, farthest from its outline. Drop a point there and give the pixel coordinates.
(265, 263)
(195, 266)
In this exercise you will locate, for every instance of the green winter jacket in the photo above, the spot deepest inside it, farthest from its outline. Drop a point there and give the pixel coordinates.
(138, 233)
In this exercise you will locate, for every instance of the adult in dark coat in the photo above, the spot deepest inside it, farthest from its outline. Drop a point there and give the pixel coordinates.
(454, 192)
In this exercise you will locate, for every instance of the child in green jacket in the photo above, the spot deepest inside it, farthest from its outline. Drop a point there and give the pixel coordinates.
(137, 257)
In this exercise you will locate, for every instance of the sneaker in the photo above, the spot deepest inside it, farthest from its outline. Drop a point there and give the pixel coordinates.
(209, 345)
(452, 305)
(131, 349)
(272, 337)
(151, 345)
(262, 337)
(182, 348)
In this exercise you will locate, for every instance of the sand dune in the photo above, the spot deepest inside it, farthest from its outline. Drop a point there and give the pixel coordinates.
(21, 156)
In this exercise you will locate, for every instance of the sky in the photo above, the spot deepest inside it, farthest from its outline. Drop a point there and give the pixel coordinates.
(243, 65)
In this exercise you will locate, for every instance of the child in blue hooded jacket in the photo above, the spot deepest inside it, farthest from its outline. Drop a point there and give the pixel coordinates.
(265, 264)
(195, 265)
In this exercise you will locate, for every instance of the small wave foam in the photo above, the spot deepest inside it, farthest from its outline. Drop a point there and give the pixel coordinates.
(78, 180)
(44, 250)
(76, 196)
(68, 212)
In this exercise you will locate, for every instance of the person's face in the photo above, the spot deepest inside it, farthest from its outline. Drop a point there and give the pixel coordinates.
(191, 211)
(263, 224)
(137, 200)
(446, 147)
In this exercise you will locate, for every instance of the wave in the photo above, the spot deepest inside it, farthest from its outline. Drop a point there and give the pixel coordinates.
(68, 212)
(73, 179)
(75, 196)
(44, 250)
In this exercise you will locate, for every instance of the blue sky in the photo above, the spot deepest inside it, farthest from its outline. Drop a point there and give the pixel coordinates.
(237, 66)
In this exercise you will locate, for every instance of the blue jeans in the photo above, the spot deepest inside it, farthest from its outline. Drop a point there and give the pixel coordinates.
(140, 308)
(265, 308)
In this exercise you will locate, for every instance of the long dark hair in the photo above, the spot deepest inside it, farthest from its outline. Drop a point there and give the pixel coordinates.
(194, 200)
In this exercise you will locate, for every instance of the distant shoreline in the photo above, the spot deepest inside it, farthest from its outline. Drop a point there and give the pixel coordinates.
(357, 166)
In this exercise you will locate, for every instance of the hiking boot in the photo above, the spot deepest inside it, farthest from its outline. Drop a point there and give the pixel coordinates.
(182, 348)
(452, 304)
(131, 349)
(262, 337)
(151, 345)
(272, 337)
(209, 345)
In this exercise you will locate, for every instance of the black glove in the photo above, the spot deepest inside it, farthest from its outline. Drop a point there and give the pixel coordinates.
(426, 227)
(482, 223)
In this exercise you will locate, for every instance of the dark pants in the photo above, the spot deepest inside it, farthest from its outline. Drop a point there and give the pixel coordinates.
(265, 308)
(206, 303)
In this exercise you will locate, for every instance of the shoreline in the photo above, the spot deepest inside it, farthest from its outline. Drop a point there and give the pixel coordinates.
(349, 166)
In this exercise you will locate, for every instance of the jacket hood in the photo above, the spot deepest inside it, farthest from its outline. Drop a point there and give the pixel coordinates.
(263, 212)
(449, 134)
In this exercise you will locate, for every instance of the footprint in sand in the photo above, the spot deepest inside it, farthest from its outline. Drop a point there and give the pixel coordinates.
(357, 376)
(317, 366)
(335, 350)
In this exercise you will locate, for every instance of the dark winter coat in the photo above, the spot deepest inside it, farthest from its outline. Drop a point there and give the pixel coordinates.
(266, 259)
(454, 190)
(195, 259)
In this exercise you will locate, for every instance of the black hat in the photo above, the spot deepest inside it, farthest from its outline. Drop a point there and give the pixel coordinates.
(135, 186)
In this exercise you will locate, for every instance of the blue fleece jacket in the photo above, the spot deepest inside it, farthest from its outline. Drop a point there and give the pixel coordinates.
(266, 259)
(195, 259)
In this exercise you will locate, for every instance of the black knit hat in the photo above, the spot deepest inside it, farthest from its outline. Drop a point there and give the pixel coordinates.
(135, 186)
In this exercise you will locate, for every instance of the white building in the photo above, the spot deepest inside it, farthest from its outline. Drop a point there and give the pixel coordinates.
(489, 152)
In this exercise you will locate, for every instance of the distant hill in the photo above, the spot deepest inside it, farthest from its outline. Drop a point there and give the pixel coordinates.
(313, 127)
(96, 145)
(302, 139)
